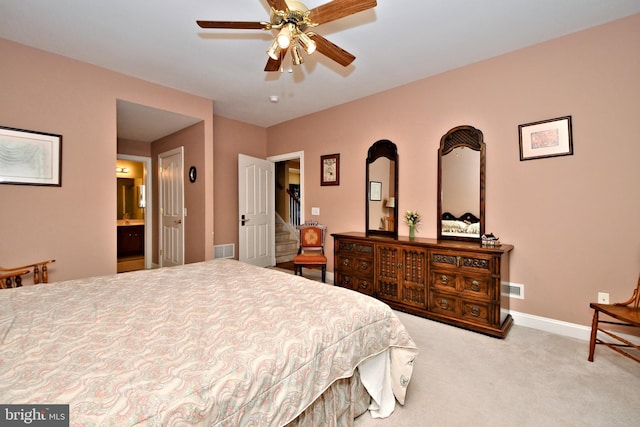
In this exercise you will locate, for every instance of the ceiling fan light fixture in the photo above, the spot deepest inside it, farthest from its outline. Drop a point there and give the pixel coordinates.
(284, 36)
(297, 58)
(307, 44)
(289, 19)
(274, 50)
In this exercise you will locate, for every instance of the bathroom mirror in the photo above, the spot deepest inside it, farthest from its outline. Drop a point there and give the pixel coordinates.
(130, 199)
(461, 186)
(382, 189)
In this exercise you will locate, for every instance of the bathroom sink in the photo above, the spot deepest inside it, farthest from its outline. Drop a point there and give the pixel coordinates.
(126, 222)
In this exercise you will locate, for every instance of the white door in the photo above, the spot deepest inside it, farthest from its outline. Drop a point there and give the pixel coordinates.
(256, 209)
(171, 189)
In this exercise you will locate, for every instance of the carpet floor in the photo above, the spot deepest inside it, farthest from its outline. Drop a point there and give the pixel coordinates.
(531, 378)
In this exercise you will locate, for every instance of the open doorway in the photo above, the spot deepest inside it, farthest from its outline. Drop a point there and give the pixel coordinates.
(134, 214)
(289, 205)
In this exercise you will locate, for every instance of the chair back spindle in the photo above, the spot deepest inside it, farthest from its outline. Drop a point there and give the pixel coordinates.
(12, 277)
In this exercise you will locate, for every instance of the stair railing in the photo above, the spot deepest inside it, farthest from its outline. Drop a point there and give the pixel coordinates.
(294, 209)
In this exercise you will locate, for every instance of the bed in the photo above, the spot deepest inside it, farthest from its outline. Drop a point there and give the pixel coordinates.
(216, 343)
(464, 225)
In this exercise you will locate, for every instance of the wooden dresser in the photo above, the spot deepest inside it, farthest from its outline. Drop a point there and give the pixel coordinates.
(458, 283)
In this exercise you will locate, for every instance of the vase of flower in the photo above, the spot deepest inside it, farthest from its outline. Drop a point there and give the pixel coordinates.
(412, 219)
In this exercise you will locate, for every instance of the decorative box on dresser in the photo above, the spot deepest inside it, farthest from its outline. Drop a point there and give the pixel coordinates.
(454, 282)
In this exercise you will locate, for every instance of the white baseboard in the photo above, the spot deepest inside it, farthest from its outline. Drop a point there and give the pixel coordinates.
(559, 327)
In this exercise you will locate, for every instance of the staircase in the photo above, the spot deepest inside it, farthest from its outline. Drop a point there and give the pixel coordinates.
(286, 241)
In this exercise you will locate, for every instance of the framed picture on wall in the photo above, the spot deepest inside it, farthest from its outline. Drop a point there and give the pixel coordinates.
(375, 191)
(30, 158)
(330, 169)
(547, 138)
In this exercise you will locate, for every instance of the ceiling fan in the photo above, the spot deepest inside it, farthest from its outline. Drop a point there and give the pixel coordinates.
(293, 19)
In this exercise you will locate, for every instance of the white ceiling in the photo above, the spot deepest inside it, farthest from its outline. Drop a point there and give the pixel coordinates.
(397, 42)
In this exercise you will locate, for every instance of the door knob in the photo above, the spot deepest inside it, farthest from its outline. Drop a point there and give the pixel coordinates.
(178, 221)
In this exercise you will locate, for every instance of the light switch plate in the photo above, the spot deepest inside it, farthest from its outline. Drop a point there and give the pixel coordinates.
(315, 211)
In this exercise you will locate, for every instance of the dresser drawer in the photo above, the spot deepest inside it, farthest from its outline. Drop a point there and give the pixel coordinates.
(361, 284)
(443, 279)
(443, 304)
(354, 265)
(476, 287)
(476, 311)
(464, 261)
(352, 248)
(468, 286)
(461, 308)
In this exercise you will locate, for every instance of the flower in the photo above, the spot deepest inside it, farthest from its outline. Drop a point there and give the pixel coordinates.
(412, 218)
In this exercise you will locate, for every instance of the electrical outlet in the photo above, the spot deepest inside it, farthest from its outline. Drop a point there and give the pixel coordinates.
(315, 211)
(603, 298)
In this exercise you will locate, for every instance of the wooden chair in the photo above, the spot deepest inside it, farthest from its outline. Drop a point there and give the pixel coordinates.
(311, 249)
(626, 314)
(12, 277)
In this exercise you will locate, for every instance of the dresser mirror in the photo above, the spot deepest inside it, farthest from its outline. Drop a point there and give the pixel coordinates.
(382, 189)
(461, 186)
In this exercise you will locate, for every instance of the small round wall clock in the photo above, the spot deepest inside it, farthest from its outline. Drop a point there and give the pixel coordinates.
(193, 174)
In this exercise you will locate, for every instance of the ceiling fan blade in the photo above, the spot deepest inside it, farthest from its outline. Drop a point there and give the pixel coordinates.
(278, 4)
(337, 9)
(331, 50)
(233, 25)
(274, 64)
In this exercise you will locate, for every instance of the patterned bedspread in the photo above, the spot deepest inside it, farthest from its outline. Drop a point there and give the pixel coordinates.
(212, 343)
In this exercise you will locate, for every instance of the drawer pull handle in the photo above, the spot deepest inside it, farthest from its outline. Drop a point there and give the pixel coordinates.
(444, 280)
(345, 261)
(475, 311)
(444, 304)
(364, 265)
(475, 286)
(364, 284)
(346, 280)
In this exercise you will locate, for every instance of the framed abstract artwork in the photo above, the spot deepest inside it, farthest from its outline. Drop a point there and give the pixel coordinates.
(547, 138)
(30, 158)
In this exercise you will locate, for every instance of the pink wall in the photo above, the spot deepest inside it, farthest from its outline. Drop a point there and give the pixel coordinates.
(562, 214)
(231, 138)
(134, 148)
(571, 219)
(74, 223)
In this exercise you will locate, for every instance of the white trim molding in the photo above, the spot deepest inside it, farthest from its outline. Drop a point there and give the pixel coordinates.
(559, 327)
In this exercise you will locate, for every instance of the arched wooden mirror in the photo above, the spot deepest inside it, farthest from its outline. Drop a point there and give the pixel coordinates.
(461, 173)
(382, 189)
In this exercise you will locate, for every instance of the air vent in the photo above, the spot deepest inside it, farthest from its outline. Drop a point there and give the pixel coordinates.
(224, 251)
(513, 290)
